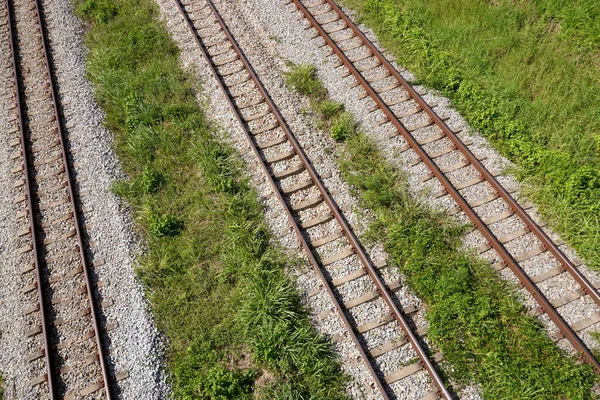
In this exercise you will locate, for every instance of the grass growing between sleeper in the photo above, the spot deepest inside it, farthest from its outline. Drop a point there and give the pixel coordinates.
(481, 328)
(526, 75)
(235, 327)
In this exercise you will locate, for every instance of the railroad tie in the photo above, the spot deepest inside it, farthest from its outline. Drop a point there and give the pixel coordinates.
(347, 252)
(265, 128)
(286, 155)
(307, 204)
(354, 46)
(370, 296)
(257, 115)
(293, 170)
(409, 370)
(321, 219)
(305, 184)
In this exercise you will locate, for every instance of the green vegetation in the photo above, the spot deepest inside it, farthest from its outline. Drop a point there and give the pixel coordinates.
(235, 326)
(301, 78)
(1, 388)
(482, 330)
(331, 116)
(525, 73)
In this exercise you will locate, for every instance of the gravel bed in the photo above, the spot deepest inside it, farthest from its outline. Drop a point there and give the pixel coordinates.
(490, 158)
(135, 345)
(293, 42)
(247, 28)
(282, 37)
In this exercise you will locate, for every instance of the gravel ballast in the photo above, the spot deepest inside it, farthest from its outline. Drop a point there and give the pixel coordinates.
(292, 41)
(135, 345)
(261, 49)
(270, 32)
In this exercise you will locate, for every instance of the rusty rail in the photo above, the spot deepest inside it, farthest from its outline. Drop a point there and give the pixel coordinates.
(515, 207)
(367, 265)
(76, 215)
(38, 259)
(508, 260)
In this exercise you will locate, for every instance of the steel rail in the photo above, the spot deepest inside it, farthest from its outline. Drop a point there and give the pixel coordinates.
(37, 256)
(48, 350)
(311, 258)
(508, 260)
(531, 225)
(370, 269)
(327, 198)
(76, 215)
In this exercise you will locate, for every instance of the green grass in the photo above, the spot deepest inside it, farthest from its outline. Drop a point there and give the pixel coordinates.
(331, 116)
(480, 327)
(526, 74)
(234, 323)
(300, 77)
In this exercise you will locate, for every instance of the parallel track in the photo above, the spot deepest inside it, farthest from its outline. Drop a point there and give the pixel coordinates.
(330, 21)
(269, 135)
(65, 312)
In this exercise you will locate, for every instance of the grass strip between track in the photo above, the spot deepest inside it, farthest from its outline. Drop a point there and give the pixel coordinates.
(481, 328)
(526, 75)
(217, 285)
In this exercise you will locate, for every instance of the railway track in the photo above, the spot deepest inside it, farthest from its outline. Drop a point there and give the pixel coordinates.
(475, 191)
(68, 358)
(319, 224)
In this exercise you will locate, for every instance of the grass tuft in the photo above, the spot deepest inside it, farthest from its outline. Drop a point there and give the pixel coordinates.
(330, 109)
(151, 181)
(300, 77)
(343, 126)
(480, 327)
(233, 318)
(330, 114)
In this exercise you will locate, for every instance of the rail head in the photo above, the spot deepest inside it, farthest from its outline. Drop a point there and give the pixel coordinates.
(37, 257)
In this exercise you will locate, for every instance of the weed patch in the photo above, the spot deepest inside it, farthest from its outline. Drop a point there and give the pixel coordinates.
(343, 126)
(482, 330)
(215, 281)
(300, 77)
(330, 114)
(524, 74)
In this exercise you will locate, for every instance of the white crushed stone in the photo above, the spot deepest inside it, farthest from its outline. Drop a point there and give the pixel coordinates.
(247, 27)
(269, 32)
(135, 345)
(339, 90)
